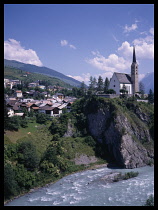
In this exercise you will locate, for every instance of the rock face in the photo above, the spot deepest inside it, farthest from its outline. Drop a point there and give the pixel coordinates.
(124, 135)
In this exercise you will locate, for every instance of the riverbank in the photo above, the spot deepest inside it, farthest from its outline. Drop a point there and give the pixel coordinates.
(87, 167)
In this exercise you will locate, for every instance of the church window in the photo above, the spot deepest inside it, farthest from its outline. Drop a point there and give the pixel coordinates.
(114, 85)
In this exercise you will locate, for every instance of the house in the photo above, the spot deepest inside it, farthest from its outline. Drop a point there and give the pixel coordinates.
(47, 109)
(10, 111)
(18, 94)
(33, 84)
(42, 87)
(60, 96)
(127, 81)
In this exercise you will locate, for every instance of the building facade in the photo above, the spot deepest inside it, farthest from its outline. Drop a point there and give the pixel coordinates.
(129, 81)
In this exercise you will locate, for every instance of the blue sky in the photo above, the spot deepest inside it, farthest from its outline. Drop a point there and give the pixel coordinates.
(81, 40)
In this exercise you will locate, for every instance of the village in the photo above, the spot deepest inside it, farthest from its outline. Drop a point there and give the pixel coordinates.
(49, 104)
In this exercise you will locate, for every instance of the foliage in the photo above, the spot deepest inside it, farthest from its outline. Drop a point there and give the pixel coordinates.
(27, 155)
(100, 84)
(106, 85)
(150, 201)
(131, 174)
(14, 73)
(41, 118)
(90, 141)
(111, 91)
(125, 176)
(24, 178)
(10, 184)
(151, 97)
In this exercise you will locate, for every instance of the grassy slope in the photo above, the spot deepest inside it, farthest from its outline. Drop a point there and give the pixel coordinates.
(12, 73)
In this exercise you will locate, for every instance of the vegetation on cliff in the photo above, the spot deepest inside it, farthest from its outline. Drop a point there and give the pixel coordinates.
(48, 152)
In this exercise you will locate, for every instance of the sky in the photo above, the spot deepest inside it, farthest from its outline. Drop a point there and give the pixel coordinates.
(81, 40)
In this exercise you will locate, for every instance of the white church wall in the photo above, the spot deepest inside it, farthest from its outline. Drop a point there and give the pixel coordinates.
(114, 84)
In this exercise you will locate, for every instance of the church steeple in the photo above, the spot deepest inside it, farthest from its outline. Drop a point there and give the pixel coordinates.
(134, 55)
(134, 73)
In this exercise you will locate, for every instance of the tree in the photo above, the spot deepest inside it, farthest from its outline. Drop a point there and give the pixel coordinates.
(141, 88)
(82, 89)
(93, 83)
(150, 201)
(14, 123)
(27, 155)
(41, 118)
(151, 97)
(111, 91)
(100, 84)
(106, 85)
(6, 118)
(10, 184)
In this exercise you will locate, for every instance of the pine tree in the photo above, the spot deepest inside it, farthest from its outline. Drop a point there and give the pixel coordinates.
(106, 85)
(151, 97)
(100, 84)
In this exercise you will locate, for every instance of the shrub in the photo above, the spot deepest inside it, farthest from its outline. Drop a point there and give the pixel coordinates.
(10, 184)
(131, 174)
(27, 155)
(150, 201)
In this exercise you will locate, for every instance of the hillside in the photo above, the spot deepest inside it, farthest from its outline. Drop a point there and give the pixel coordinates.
(98, 130)
(13, 73)
(41, 70)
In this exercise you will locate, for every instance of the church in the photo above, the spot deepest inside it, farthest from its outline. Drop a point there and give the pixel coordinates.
(130, 81)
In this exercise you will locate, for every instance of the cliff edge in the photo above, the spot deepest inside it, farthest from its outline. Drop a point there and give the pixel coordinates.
(125, 128)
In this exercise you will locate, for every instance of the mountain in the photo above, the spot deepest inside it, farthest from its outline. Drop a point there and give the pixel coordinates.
(41, 70)
(148, 82)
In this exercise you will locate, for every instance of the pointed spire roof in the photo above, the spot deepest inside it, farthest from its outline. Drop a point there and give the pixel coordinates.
(134, 55)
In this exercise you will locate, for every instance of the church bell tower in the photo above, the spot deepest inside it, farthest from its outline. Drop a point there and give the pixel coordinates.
(134, 74)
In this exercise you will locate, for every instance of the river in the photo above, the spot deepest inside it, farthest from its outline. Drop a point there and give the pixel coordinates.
(87, 189)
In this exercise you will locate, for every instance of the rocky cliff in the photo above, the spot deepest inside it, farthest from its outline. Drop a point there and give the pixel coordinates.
(124, 128)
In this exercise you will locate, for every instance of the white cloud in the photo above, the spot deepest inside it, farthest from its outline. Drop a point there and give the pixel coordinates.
(63, 42)
(144, 47)
(121, 61)
(111, 64)
(14, 51)
(72, 46)
(151, 31)
(83, 78)
(86, 77)
(130, 28)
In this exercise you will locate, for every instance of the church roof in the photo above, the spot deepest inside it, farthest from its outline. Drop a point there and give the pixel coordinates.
(123, 78)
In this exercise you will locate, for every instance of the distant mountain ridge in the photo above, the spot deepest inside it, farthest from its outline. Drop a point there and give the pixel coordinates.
(148, 82)
(42, 70)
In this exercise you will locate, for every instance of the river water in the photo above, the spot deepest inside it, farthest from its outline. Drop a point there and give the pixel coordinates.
(87, 189)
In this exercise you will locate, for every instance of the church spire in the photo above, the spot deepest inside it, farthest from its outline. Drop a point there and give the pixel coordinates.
(134, 55)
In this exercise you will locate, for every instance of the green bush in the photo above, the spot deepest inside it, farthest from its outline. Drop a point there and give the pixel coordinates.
(150, 201)
(41, 118)
(27, 155)
(131, 174)
(10, 184)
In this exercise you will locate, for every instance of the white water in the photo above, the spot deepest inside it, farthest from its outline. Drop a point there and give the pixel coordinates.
(87, 189)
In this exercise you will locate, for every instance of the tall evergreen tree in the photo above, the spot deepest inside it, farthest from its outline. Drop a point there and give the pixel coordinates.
(106, 85)
(92, 84)
(100, 84)
(82, 89)
(151, 97)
